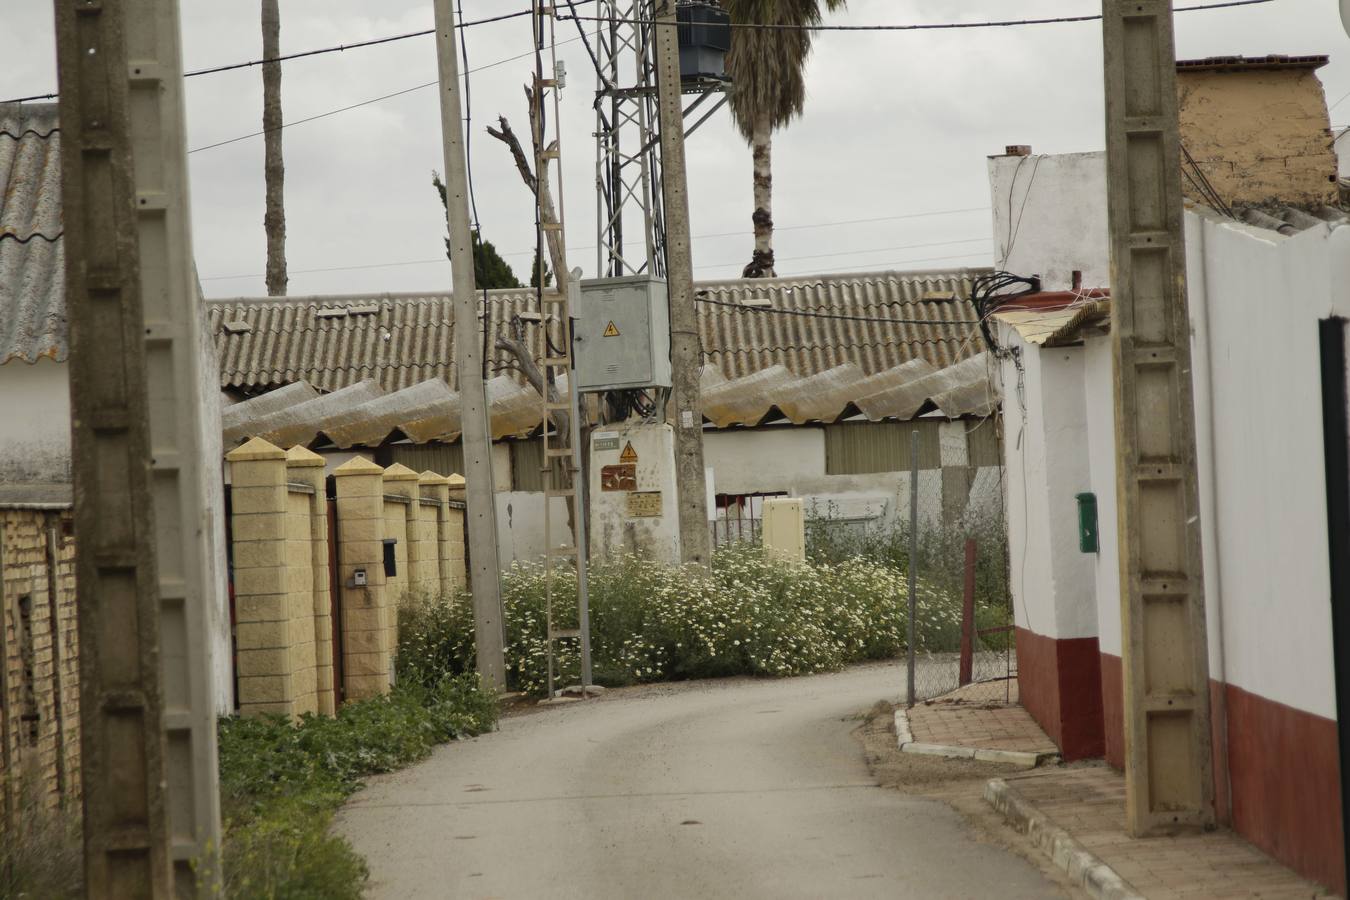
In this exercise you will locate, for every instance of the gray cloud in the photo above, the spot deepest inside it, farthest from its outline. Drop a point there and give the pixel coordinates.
(895, 124)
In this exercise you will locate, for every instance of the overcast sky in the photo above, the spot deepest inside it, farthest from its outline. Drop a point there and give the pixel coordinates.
(896, 124)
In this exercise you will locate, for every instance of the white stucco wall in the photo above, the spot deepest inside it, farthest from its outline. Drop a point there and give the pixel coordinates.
(35, 426)
(792, 460)
(520, 525)
(1256, 298)
(1099, 402)
(1045, 446)
(1050, 217)
(1263, 295)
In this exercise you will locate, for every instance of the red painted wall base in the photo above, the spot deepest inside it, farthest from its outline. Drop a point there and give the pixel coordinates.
(1283, 771)
(1060, 685)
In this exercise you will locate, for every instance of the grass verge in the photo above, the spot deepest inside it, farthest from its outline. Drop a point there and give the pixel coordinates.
(282, 781)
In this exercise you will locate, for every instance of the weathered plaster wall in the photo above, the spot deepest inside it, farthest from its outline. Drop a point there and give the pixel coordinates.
(35, 427)
(1050, 217)
(1258, 135)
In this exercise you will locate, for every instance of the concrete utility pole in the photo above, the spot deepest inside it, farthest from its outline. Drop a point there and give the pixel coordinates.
(144, 566)
(1168, 779)
(685, 347)
(481, 520)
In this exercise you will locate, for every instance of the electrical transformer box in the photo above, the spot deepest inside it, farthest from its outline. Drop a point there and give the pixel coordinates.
(622, 334)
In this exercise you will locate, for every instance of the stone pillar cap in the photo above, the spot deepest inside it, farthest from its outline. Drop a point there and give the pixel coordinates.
(358, 465)
(255, 449)
(455, 480)
(429, 477)
(302, 456)
(399, 472)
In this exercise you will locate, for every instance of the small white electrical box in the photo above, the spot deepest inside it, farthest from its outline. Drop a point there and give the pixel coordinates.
(622, 334)
(359, 578)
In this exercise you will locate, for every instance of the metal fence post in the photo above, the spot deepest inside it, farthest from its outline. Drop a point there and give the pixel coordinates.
(968, 617)
(913, 556)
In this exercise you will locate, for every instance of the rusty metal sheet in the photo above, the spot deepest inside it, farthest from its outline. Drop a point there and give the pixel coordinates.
(618, 477)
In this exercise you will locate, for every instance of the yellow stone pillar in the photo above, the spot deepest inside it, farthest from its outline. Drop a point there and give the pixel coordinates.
(366, 618)
(258, 501)
(306, 467)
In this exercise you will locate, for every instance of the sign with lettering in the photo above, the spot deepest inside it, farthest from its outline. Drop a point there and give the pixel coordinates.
(601, 443)
(629, 455)
(621, 477)
(644, 504)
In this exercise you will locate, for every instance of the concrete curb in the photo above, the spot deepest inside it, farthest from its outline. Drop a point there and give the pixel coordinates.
(1096, 877)
(1027, 759)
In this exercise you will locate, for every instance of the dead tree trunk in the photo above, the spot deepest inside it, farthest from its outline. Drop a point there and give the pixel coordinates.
(538, 184)
(274, 168)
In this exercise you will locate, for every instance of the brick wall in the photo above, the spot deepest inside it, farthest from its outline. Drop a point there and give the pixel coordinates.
(39, 682)
(286, 658)
(1259, 135)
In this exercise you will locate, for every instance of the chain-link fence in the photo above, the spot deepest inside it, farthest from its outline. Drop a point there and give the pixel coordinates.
(946, 528)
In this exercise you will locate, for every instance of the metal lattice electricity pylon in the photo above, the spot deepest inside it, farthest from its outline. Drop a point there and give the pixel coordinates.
(627, 140)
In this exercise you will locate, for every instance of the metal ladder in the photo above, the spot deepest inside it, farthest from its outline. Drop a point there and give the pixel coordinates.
(561, 461)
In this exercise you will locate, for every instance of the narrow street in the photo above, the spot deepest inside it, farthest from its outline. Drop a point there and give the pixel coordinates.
(714, 789)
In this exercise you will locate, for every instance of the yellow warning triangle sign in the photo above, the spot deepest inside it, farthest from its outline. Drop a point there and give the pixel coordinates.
(629, 455)
(611, 330)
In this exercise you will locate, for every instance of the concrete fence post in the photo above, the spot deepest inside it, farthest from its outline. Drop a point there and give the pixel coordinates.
(366, 619)
(258, 500)
(306, 467)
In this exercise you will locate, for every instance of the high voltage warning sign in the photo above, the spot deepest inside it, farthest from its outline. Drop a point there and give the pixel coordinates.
(611, 330)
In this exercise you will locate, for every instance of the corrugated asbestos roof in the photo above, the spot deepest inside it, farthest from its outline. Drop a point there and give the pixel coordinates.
(359, 371)
(361, 415)
(399, 340)
(32, 260)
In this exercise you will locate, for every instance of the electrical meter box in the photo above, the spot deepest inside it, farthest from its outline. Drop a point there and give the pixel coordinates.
(622, 334)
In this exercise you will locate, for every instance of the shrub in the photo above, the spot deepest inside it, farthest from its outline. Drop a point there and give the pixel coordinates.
(41, 854)
(281, 782)
(749, 615)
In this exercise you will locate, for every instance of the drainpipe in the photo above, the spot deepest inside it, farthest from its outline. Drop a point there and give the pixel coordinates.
(1202, 360)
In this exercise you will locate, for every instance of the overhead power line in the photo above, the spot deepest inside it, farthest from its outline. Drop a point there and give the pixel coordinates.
(930, 26)
(302, 54)
(382, 97)
(442, 259)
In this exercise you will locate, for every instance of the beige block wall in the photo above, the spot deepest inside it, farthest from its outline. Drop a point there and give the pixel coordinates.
(1259, 135)
(283, 605)
(367, 621)
(396, 527)
(39, 664)
(300, 591)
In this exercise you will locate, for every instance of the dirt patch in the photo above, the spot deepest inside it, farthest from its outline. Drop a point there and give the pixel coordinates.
(956, 782)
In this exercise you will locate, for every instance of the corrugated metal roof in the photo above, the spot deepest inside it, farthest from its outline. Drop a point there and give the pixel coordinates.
(32, 261)
(402, 339)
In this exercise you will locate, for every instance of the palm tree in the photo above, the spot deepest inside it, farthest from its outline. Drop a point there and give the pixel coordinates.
(274, 169)
(767, 68)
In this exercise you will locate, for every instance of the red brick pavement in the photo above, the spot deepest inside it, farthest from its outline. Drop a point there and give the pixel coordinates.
(1088, 802)
(980, 716)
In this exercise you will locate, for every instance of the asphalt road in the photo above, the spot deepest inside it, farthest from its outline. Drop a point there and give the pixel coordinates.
(717, 789)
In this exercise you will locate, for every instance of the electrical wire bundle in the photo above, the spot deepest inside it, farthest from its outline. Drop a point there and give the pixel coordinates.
(988, 292)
